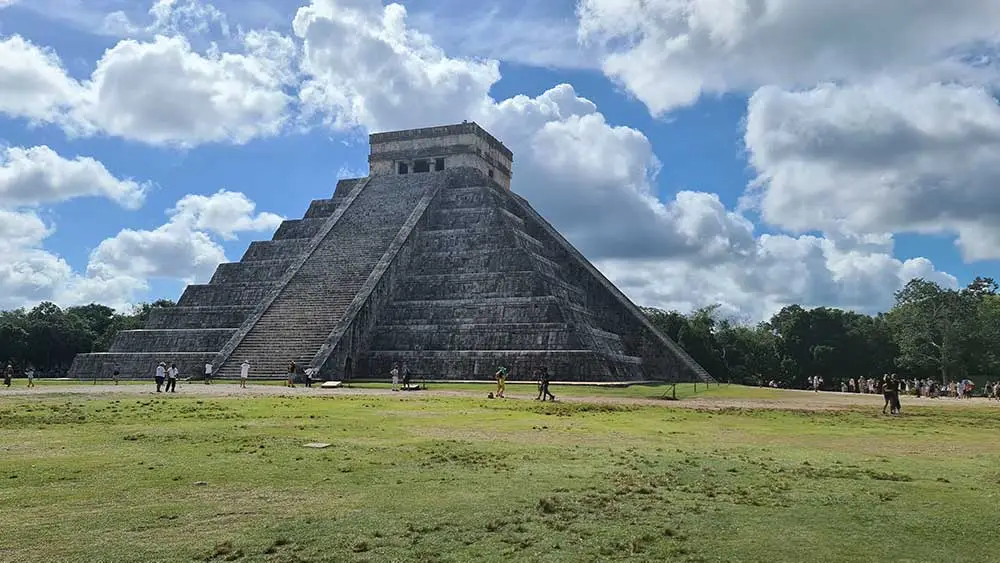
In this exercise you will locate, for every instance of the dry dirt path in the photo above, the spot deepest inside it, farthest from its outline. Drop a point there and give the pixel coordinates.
(782, 400)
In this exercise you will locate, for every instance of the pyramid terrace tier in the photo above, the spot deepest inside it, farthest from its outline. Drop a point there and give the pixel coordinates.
(470, 286)
(251, 271)
(222, 294)
(321, 208)
(197, 317)
(139, 365)
(266, 250)
(562, 365)
(488, 336)
(299, 228)
(172, 340)
(474, 311)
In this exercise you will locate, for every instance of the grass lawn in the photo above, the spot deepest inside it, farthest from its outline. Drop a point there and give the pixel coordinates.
(154, 478)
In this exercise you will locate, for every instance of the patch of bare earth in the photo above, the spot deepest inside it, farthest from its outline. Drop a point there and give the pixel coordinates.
(783, 400)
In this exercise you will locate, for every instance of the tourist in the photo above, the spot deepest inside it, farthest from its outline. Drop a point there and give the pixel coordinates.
(309, 376)
(8, 374)
(501, 377)
(30, 374)
(851, 385)
(172, 378)
(394, 372)
(244, 373)
(116, 373)
(545, 385)
(886, 394)
(817, 381)
(406, 376)
(161, 374)
(208, 373)
(894, 385)
(843, 387)
(292, 368)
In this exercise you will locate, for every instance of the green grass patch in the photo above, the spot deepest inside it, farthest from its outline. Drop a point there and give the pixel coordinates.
(155, 478)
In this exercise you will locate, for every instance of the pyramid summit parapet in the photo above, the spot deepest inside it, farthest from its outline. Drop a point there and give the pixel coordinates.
(434, 149)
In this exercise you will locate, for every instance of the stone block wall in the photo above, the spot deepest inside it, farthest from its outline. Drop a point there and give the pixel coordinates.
(241, 294)
(197, 317)
(299, 228)
(172, 340)
(274, 249)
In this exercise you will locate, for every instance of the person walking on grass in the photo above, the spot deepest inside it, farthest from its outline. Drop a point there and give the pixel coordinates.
(116, 373)
(161, 374)
(172, 378)
(292, 368)
(394, 372)
(501, 377)
(30, 374)
(543, 391)
(244, 373)
(406, 376)
(8, 374)
(208, 373)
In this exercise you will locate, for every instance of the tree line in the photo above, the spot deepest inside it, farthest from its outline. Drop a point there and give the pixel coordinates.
(930, 332)
(47, 337)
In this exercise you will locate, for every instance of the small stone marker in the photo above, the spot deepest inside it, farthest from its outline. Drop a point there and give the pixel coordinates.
(316, 445)
(330, 385)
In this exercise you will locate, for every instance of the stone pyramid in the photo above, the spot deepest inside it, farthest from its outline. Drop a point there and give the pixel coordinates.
(431, 260)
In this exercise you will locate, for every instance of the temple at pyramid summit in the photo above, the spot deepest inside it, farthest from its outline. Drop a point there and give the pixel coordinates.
(432, 261)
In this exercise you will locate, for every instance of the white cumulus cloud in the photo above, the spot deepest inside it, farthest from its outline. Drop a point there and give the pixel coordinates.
(670, 52)
(31, 176)
(885, 156)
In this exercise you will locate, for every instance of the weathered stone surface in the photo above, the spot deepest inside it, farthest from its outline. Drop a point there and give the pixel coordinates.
(172, 340)
(445, 270)
(299, 228)
(198, 317)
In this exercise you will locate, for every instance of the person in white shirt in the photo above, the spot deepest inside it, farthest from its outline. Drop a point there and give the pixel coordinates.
(172, 378)
(244, 374)
(30, 373)
(208, 373)
(161, 374)
(394, 372)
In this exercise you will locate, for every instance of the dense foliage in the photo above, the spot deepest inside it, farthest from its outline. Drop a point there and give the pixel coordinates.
(930, 332)
(48, 337)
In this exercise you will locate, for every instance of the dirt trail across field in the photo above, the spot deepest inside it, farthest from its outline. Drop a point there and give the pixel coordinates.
(783, 400)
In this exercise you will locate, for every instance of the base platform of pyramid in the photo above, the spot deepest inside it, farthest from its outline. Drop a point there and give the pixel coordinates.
(431, 261)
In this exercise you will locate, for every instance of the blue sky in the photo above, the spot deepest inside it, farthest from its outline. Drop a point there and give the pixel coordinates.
(643, 154)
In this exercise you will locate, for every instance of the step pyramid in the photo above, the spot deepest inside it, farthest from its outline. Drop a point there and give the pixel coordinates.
(431, 261)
